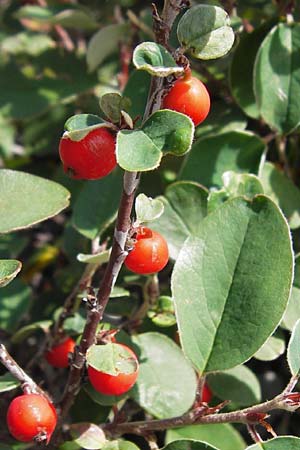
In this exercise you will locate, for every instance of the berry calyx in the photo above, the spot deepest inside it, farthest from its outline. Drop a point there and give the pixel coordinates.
(108, 384)
(189, 96)
(206, 394)
(90, 158)
(31, 417)
(58, 356)
(150, 253)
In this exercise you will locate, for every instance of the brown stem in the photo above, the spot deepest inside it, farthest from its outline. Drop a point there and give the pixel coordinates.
(118, 252)
(249, 416)
(27, 383)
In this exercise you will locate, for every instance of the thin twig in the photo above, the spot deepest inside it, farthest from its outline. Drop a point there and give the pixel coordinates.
(27, 383)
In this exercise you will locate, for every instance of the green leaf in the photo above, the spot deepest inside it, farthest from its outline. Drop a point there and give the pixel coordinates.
(14, 303)
(97, 258)
(205, 31)
(112, 104)
(120, 445)
(166, 384)
(221, 119)
(26, 331)
(181, 218)
(272, 348)
(104, 43)
(36, 13)
(80, 125)
(27, 199)
(188, 444)
(87, 435)
(112, 359)
(25, 94)
(216, 294)
(210, 157)
(283, 191)
(7, 136)
(278, 59)
(27, 42)
(9, 269)
(292, 312)
(222, 435)
(239, 385)
(97, 205)
(102, 399)
(137, 89)
(278, 443)
(164, 132)
(241, 70)
(8, 382)
(235, 185)
(163, 312)
(155, 59)
(293, 351)
(75, 18)
(147, 208)
(136, 152)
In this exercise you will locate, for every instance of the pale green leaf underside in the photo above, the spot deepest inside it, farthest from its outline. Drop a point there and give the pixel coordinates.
(185, 206)
(155, 59)
(88, 435)
(205, 31)
(293, 352)
(27, 199)
(148, 209)
(111, 358)
(225, 281)
(272, 348)
(223, 435)
(166, 384)
(278, 443)
(8, 382)
(9, 268)
(278, 60)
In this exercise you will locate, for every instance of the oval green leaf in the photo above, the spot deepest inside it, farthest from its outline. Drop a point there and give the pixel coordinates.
(14, 303)
(241, 70)
(155, 59)
(87, 435)
(147, 208)
(8, 382)
(120, 445)
(188, 444)
(272, 348)
(9, 269)
(278, 443)
(210, 157)
(278, 60)
(27, 199)
(205, 31)
(112, 359)
(215, 293)
(166, 384)
(222, 435)
(104, 43)
(239, 385)
(181, 218)
(283, 191)
(97, 205)
(293, 351)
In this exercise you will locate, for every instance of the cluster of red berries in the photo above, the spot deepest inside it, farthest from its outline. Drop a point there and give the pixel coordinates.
(94, 156)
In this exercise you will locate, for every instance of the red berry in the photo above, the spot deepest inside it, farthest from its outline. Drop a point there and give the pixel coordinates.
(150, 253)
(31, 416)
(90, 158)
(189, 96)
(206, 394)
(114, 384)
(58, 356)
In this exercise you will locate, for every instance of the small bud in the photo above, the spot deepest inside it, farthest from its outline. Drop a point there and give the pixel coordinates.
(291, 401)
